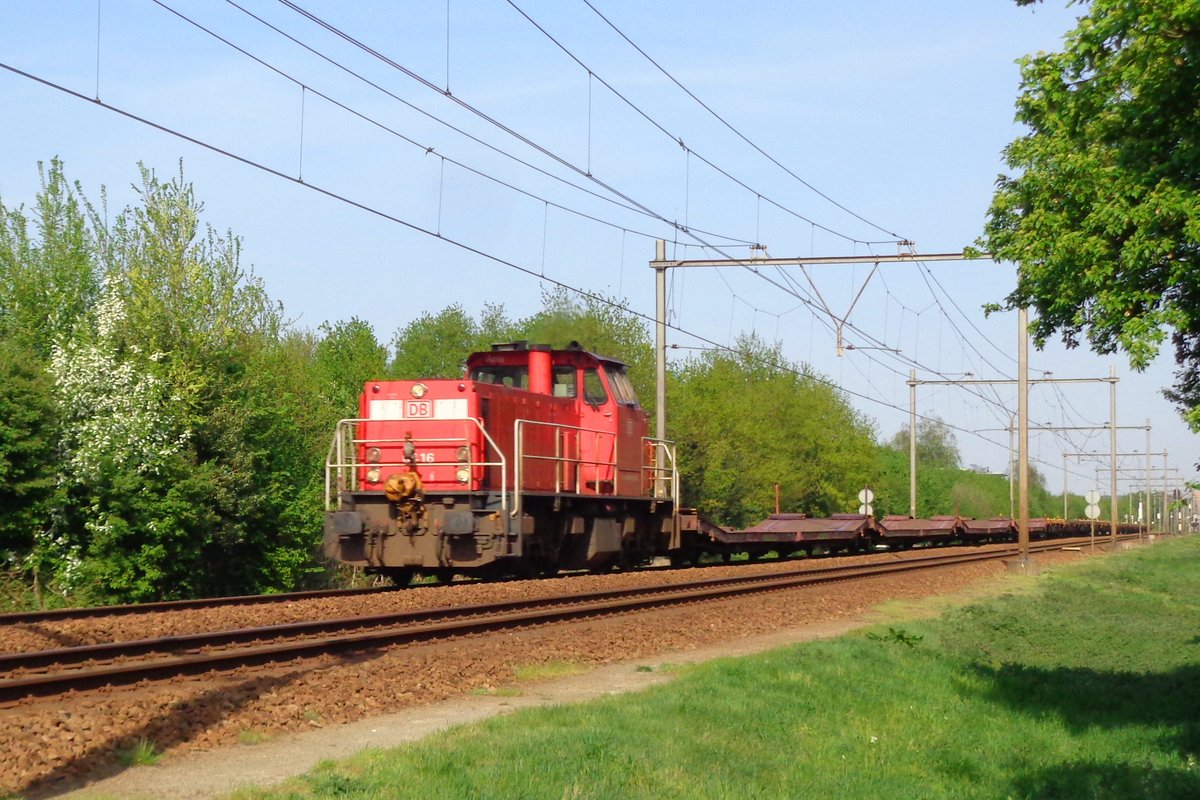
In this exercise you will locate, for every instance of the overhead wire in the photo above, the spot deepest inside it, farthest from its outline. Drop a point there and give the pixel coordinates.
(748, 264)
(923, 269)
(882, 346)
(595, 219)
(506, 263)
(590, 217)
(731, 128)
(1067, 438)
(968, 319)
(432, 150)
(626, 206)
(814, 306)
(997, 403)
(491, 120)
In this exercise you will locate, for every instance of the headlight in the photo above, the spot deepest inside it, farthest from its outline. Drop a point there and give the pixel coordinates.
(463, 475)
(373, 455)
(418, 390)
(373, 475)
(464, 453)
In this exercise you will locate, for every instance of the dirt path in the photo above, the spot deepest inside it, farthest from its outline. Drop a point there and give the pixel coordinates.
(199, 776)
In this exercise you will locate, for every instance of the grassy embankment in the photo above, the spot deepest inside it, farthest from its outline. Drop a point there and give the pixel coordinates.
(1086, 686)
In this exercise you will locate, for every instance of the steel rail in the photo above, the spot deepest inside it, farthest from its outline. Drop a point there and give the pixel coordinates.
(106, 651)
(78, 654)
(90, 612)
(426, 625)
(129, 609)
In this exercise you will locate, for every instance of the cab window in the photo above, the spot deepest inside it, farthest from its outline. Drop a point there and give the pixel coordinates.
(621, 386)
(565, 382)
(515, 376)
(593, 388)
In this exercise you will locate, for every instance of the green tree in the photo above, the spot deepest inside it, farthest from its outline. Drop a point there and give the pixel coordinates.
(122, 440)
(346, 357)
(281, 437)
(936, 444)
(190, 444)
(184, 291)
(28, 450)
(942, 486)
(162, 430)
(437, 345)
(1102, 211)
(48, 278)
(746, 420)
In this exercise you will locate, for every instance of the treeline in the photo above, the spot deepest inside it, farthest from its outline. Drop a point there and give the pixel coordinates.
(163, 428)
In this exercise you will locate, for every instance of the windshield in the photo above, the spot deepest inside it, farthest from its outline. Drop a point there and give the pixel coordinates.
(621, 386)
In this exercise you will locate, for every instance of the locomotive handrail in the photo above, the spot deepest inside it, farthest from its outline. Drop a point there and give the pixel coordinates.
(520, 456)
(663, 474)
(660, 474)
(336, 462)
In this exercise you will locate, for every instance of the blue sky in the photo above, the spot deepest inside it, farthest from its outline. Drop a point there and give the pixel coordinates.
(898, 112)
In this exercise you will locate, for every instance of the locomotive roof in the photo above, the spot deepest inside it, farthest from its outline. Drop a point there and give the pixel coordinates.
(498, 352)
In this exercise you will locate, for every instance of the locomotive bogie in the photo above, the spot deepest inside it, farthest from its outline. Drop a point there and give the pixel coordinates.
(472, 537)
(374, 532)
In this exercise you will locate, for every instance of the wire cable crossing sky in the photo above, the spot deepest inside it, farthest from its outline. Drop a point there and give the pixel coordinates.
(574, 135)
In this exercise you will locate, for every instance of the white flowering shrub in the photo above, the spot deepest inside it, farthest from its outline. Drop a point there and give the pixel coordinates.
(55, 549)
(172, 431)
(118, 421)
(116, 413)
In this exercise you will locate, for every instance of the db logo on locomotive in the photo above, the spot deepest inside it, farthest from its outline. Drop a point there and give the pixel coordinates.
(417, 409)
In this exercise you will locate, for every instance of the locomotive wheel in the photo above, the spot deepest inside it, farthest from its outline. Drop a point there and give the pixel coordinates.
(444, 576)
(540, 568)
(399, 576)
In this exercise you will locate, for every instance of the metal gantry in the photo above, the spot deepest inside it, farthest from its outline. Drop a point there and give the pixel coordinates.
(1023, 382)
(1183, 489)
(660, 265)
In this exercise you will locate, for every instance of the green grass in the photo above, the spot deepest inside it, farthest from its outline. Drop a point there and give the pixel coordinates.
(496, 691)
(142, 753)
(550, 669)
(251, 737)
(1088, 687)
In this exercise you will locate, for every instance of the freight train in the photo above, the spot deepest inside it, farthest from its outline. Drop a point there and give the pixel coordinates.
(539, 460)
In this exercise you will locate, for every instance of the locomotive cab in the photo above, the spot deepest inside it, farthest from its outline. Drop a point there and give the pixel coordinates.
(537, 460)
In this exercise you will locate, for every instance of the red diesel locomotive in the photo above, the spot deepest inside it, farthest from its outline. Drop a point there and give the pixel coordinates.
(538, 460)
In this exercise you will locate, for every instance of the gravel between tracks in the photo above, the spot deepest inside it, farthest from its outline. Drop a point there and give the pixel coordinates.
(303, 707)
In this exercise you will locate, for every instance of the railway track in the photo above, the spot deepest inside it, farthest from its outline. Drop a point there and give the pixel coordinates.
(57, 671)
(233, 601)
(95, 612)
(98, 612)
